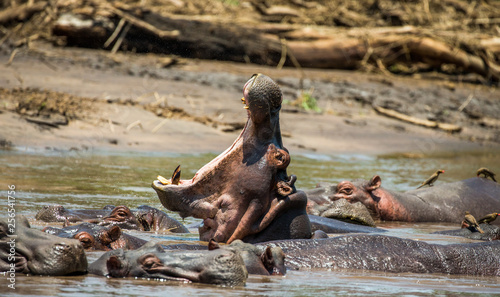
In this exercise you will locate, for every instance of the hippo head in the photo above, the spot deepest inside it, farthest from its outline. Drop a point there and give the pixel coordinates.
(58, 213)
(245, 192)
(360, 191)
(35, 252)
(263, 260)
(219, 267)
(120, 216)
(153, 219)
(94, 237)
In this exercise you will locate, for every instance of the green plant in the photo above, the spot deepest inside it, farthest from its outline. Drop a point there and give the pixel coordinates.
(307, 101)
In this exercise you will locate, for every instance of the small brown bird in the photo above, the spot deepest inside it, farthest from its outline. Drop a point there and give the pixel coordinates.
(488, 218)
(430, 181)
(486, 173)
(471, 221)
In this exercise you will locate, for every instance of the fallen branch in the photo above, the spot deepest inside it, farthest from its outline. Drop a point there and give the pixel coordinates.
(351, 52)
(140, 23)
(416, 121)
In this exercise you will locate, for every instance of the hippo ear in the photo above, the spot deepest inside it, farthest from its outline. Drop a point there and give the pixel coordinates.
(114, 233)
(213, 245)
(267, 258)
(374, 183)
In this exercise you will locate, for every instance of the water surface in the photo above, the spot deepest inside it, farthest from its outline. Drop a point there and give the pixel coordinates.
(94, 180)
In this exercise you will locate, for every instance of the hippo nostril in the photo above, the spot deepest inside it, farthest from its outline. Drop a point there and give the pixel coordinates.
(62, 248)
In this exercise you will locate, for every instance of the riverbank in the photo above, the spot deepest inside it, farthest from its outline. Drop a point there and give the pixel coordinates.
(157, 103)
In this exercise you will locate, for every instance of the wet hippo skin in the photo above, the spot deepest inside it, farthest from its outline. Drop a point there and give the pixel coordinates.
(145, 218)
(491, 232)
(58, 213)
(95, 237)
(245, 193)
(261, 260)
(443, 202)
(219, 267)
(39, 253)
(391, 254)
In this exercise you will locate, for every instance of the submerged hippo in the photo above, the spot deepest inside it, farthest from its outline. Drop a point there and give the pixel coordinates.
(58, 213)
(490, 232)
(333, 226)
(261, 260)
(392, 254)
(153, 219)
(341, 209)
(245, 193)
(95, 237)
(220, 266)
(26, 250)
(144, 218)
(446, 202)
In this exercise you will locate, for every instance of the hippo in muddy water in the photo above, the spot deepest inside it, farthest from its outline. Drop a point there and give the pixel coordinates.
(446, 202)
(244, 193)
(260, 260)
(58, 213)
(144, 218)
(318, 204)
(220, 266)
(490, 232)
(95, 237)
(391, 254)
(27, 250)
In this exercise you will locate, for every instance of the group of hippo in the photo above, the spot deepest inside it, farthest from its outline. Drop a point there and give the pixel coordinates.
(255, 221)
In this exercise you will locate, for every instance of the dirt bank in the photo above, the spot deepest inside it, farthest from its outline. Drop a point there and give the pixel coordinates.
(146, 102)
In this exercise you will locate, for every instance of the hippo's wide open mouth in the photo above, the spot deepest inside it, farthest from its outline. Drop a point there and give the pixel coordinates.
(244, 189)
(162, 184)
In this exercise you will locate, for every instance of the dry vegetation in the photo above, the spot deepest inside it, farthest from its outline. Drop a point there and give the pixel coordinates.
(404, 37)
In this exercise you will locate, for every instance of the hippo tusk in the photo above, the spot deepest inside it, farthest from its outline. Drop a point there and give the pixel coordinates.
(176, 176)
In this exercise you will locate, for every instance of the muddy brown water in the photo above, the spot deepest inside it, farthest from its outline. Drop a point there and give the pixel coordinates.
(95, 179)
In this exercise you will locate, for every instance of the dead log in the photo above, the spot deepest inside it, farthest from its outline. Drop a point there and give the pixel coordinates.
(347, 53)
(416, 121)
(318, 47)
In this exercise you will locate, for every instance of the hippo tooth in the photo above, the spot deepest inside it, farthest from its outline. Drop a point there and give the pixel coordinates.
(163, 180)
(244, 102)
(176, 176)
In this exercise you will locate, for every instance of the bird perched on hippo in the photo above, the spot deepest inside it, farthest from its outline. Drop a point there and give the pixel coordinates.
(445, 202)
(432, 179)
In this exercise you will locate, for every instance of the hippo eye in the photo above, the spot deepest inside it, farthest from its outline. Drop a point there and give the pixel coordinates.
(347, 191)
(121, 214)
(150, 261)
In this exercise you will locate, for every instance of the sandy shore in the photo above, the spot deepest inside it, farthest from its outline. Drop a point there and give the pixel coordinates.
(118, 87)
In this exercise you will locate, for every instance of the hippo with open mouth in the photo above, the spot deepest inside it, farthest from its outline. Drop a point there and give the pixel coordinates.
(245, 192)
